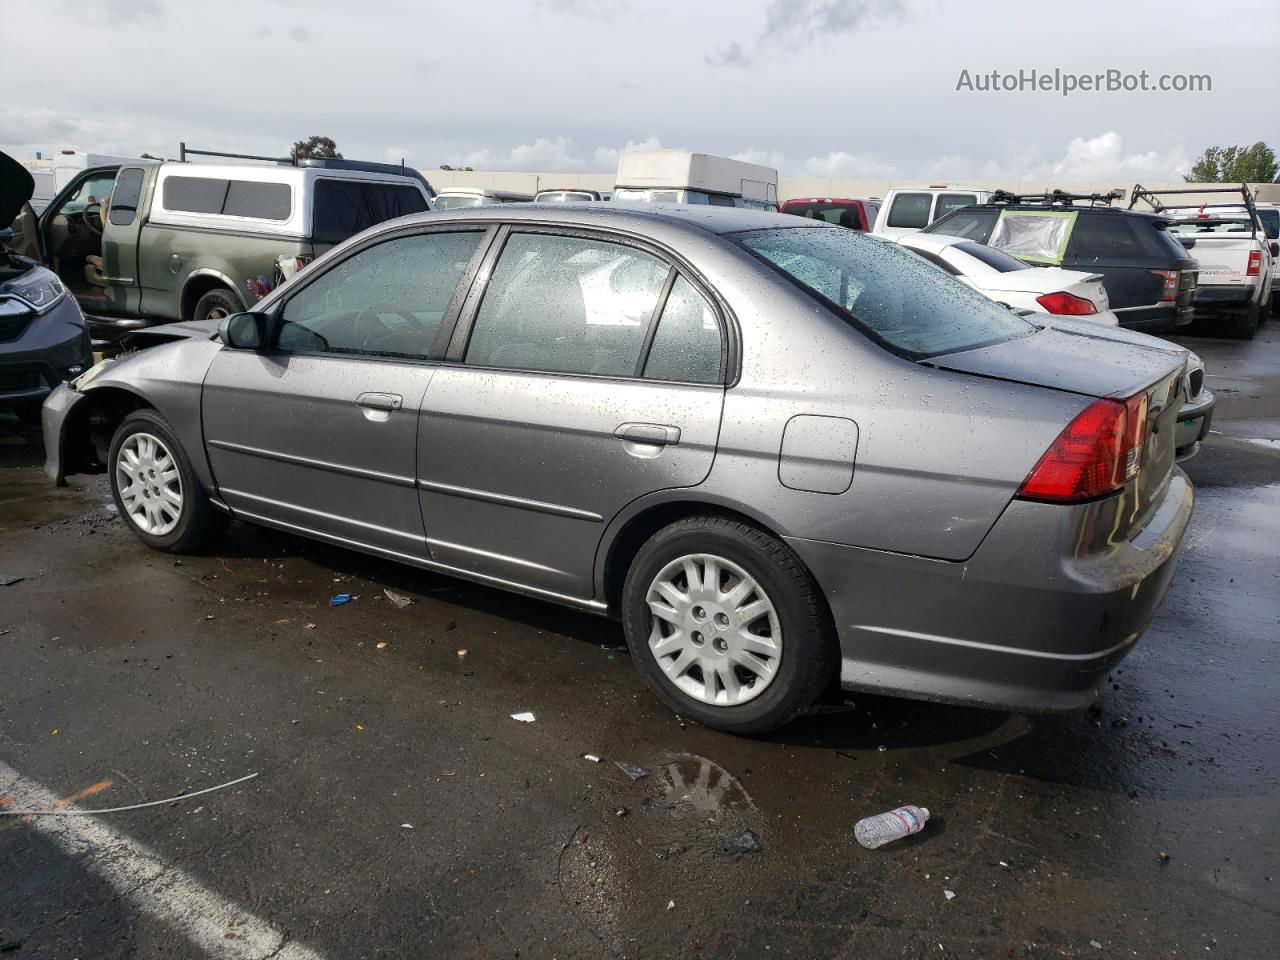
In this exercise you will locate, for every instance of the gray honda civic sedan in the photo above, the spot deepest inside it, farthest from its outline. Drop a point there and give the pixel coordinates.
(786, 456)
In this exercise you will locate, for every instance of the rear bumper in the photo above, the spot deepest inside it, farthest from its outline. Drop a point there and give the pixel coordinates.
(1024, 624)
(1194, 420)
(1223, 295)
(1157, 318)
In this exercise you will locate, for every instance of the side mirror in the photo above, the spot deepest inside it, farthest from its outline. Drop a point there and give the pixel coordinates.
(245, 331)
(1274, 247)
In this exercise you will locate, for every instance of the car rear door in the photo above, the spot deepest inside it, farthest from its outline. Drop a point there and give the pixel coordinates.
(318, 433)
(587, 371)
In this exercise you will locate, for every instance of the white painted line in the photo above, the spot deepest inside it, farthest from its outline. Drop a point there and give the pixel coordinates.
(150, 885)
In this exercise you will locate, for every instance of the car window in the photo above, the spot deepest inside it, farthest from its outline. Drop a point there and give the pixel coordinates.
(265, 201)
(567, 304)
(900, 301)
(95, 189)
(910, 210)
(970, 224)
(841, 214)
(993, 258)
(124, 197)
(1104, 237)
(686, 345)
(952, 201)
(343, 208)
(454, 201)
(385, 301)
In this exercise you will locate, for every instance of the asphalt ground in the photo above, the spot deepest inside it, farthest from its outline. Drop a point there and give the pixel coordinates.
(399, 811)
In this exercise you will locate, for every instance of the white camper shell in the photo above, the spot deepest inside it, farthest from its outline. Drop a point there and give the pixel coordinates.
(681, 176)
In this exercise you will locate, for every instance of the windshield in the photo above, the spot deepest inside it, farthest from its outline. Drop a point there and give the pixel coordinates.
(443, 202)
(909, 305)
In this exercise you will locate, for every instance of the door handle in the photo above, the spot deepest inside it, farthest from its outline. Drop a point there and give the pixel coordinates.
(654, 433)
(380, 401)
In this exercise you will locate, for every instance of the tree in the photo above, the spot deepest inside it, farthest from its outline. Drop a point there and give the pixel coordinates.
(1236, 164)
(314, 147)
(445, 166)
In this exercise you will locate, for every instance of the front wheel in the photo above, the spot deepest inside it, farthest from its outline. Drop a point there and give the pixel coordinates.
(155, 489)
(727, 625)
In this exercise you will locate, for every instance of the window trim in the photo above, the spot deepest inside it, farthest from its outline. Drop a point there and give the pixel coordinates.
(459, 340)
(311, 275)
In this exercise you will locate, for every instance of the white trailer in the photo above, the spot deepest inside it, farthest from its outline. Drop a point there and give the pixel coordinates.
(682, 176)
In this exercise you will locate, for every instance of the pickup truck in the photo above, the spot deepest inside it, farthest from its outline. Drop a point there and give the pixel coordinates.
(1236, 258)
(142, 242)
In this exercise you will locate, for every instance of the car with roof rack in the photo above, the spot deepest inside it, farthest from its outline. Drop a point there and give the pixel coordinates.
(1236, 258)
(603, 405)
(1149, 276)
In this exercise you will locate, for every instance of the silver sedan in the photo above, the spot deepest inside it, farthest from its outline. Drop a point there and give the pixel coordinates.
(784, 455)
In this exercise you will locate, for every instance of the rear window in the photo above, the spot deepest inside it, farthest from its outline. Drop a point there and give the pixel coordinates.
(343, 208)
(232, 198)
(993, 258)
(841, 214)
(953, 201)
(910, 210)
(973, 225)
(902, 302)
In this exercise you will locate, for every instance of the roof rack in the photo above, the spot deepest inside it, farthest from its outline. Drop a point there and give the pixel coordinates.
(184, 152)
(1152, 197)
(1053, 197)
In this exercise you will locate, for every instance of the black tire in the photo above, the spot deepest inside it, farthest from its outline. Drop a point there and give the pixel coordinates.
(216, 304)
(809, 652)
(1244, 325)
(199, 521)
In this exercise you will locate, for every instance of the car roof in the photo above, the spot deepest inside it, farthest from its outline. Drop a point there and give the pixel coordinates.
(620, 214)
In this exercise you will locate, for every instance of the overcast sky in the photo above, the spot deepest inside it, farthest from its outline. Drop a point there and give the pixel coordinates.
(839, 87)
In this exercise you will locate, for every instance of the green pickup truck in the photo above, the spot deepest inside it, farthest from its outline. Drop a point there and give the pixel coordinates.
(150, 241)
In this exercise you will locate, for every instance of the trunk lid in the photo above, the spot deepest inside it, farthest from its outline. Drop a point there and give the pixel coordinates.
(1098, 362)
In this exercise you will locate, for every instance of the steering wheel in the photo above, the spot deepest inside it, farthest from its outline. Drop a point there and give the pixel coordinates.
(92, 216)
(370, 328)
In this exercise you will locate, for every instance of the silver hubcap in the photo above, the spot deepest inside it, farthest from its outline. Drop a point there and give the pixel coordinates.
(149, 484)
(714, 632)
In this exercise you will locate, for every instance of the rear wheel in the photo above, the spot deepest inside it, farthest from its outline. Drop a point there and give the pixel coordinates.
(1244, 325)
(727, 625)
(217, 304)
(155, 489)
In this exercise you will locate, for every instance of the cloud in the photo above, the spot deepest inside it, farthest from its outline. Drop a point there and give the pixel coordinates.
(838, 163)
(768, 158)
(543, 154)
(587, 9)
(606, 158)
(300, 33)
(799, 23)
(731, 56)
(115, 12)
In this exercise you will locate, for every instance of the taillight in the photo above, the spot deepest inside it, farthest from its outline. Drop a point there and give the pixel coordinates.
(1255, 263)
(1170, 291)
(1098, 452)
(1066, 304)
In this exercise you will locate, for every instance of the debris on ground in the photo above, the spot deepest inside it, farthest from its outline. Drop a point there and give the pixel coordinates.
(631, 770)
(462, 652)
(671, 904)
(399, 599)
(949, 894)
(745, 842)
(8, 580)
(448, 772)
(338, 599)
(381, 645)
(1164, 857)
(525, 717)
(873, 832)
(591, 756)
(406, 826)
(621, 812)
(72, 812)
(451, 626)
(309, 626)
(1095, 944)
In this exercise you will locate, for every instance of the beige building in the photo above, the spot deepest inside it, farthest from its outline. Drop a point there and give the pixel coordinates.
(789, 187)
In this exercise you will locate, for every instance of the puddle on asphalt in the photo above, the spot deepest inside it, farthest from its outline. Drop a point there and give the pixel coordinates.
(704, 785)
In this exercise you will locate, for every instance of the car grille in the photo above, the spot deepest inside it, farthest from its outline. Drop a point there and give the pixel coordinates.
(12, 327)
(19, 379)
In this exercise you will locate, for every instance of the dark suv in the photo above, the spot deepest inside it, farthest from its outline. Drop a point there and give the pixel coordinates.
(1150, 277)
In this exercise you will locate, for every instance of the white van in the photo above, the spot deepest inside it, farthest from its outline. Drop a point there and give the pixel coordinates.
(681, 176)
(908, 209)
(456, 197)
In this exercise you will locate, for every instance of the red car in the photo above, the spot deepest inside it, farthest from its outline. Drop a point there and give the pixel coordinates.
(852, 213)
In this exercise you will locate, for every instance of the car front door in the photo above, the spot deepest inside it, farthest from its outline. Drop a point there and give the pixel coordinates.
(318, 432)
(585, 373)
(121, 224)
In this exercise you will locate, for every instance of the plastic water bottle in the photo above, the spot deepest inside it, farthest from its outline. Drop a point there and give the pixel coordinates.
(884, 828)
